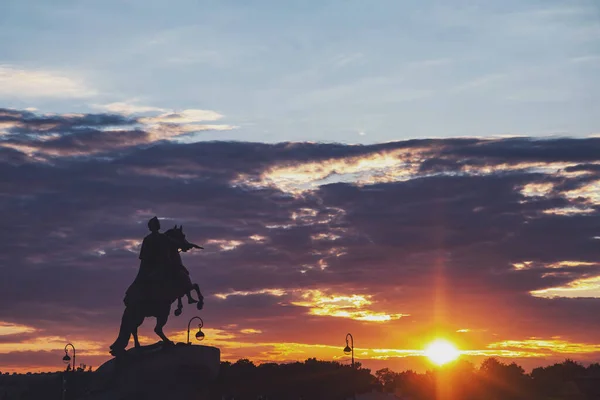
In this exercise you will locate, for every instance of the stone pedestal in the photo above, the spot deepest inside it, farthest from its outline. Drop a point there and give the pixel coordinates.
(157, 373)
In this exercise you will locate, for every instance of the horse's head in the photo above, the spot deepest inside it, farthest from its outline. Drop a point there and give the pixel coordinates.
(176, 234)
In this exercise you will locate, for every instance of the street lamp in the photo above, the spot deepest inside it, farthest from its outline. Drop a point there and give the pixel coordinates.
(199, 334)
(66, 358)
(349, 349)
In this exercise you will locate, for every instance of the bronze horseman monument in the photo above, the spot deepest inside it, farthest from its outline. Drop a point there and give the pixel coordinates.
(164, 370)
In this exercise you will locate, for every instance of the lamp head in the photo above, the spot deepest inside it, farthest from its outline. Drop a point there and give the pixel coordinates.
(66, 359)
(199, 335)
(347, 350)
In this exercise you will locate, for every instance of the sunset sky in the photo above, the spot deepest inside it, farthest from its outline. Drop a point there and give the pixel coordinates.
(404, 171)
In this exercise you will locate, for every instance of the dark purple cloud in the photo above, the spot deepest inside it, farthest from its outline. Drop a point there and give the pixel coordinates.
(72, 226)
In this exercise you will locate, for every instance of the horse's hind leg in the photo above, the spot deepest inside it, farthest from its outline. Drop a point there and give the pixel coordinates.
(134, 332)
(161, 321)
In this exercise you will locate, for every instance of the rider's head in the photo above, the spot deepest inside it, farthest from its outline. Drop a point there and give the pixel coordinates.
(154, 225)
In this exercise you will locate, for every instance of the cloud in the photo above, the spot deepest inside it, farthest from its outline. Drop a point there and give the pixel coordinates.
(31, 83)
(13, 329)
(582, 287)
(250, 331)
(554, 345)
(45, 136)
(271, 292)
(304, 242)
(378, 166)
(344, 306)
(183, 117)
(127, 108)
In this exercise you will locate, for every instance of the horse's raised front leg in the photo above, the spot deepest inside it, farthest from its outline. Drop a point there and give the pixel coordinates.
(161, 321)
(200, 304)
(188, 293)
(179, 307)
(190, 299)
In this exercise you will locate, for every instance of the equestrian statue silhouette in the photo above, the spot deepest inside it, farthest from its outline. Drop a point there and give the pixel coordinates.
(160, 281)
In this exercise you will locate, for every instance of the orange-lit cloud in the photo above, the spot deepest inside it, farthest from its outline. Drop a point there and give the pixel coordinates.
(343, 306)
(223, 244)
(522, 265)
(14, 329)
(590, 193)
(571, 263)
(271, 292)
(555, 265)
(537, 189)
(386, 166)
(258, 238)
(250, 331)
(566, 211)
(553, 345)
(51, 343)
(584, 287)
(325, 236)
(354, 306)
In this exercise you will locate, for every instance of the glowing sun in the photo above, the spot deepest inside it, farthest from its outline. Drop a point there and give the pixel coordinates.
(441, 352)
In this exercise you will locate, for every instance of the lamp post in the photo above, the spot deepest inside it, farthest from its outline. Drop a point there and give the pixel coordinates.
(199, 334)
(66, 358)
(349, 349)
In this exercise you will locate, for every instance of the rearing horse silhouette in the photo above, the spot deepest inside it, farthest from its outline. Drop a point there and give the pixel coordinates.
(182, 274)
(159, 295)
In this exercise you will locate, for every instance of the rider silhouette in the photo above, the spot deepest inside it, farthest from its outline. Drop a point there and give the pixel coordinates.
(154, 263)
(154, 254)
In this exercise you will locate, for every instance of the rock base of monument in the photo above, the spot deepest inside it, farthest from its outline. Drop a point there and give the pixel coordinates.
(157, 372)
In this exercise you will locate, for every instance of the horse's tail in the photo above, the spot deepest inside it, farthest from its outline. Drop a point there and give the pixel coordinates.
(127, 324)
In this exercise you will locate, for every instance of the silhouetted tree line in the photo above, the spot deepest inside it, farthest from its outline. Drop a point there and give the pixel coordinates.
(46, 385)
(326, 380)
(495, 380)
(311, 379)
